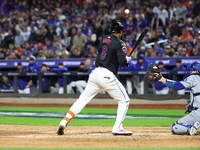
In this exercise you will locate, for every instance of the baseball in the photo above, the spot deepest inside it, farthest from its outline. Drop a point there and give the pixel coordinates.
(126, 11)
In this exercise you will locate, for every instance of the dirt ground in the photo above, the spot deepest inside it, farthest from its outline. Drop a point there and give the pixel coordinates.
(25, 136)
(91, 137)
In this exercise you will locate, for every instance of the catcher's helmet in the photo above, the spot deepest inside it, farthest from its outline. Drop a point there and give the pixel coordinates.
(195, 66)
(116, 27)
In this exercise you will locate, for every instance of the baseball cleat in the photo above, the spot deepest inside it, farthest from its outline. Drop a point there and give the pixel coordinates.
(61, 127)
(193, 129)
(60, 130)
(121, 132)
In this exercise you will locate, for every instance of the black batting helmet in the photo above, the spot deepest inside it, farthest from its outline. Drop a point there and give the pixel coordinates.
(116, 27)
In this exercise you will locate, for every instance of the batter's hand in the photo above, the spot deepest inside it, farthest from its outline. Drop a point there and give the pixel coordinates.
(128, 59)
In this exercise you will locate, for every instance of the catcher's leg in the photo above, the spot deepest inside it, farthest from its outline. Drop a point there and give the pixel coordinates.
(187, 124)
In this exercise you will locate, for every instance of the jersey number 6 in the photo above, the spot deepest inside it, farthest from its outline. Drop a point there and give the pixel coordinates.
(103, 52)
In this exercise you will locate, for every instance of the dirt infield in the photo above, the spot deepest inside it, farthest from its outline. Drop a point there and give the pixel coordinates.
(91, 137)
(25, 136)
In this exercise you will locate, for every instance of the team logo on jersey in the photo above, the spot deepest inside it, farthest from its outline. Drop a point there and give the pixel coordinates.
(124, 49)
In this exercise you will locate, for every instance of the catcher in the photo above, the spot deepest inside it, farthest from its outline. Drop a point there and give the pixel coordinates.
(191, 122)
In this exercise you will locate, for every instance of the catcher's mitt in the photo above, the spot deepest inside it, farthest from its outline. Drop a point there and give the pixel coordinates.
(153, 73)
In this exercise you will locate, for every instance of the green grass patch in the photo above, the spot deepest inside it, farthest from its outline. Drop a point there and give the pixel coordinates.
(174, 112)
(86, 122)
(92, 122)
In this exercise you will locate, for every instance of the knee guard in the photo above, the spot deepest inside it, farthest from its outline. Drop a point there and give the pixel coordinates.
(178, 128)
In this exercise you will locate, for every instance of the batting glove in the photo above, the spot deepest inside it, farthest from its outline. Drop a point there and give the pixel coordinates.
(128, 59)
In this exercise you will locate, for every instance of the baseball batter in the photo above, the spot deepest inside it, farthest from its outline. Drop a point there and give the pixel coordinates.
(111, 53)
(191, 122)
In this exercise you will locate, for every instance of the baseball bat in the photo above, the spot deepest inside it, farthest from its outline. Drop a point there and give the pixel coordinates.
(143, 33)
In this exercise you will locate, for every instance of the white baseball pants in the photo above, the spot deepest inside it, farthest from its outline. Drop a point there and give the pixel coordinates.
(103, 79)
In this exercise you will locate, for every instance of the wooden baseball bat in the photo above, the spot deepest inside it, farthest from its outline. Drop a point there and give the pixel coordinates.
(143, 33)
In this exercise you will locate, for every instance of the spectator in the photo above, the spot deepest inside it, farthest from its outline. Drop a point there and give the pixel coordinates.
(197, 20)
(196, 9)
(24, 82)
(169, 51)
(141, 65)
(185, 36)
(82, 79)
(64, 53)
(180, 12)
(33, 66)
(174, 28)
(179, 67)
(50, 54)
(9, 84)
(79, 39)
(156, 22)
(91, 54)
(25, 34)
(58, 86)
(50, 33)
(46, 80)
(40, 36)
(149, 49)
(128, 78)
(2, 53)
(2, 42)
(76, 52)
(149, 14)
(163, 14)
(33, 36)
(195, 53)
(19, 39)
(161, 88)
(189, 9)
(141, 22)
(183, 53)
(29, 56)
(66, 41)
(171, 11)
(41, 55)
(89, 43)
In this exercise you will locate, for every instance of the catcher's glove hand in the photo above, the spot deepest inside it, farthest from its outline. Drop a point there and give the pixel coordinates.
(153, 73)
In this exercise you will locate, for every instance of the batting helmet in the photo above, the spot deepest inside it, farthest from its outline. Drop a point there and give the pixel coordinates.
(116, 27)
(195, 66)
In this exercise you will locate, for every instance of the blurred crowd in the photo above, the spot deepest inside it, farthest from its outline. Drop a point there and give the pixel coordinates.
(62, 29)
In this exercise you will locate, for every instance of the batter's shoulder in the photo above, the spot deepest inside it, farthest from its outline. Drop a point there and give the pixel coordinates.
(122, 43)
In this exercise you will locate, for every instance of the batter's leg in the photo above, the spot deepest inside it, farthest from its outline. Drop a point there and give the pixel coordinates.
(118, 92)
(89, 92)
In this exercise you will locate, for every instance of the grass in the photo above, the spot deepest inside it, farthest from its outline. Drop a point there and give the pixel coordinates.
(86, 122)
(92, 122)
(174, 112)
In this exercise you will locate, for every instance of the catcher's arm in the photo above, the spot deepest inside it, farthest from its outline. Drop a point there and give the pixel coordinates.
(153, 75)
